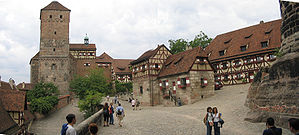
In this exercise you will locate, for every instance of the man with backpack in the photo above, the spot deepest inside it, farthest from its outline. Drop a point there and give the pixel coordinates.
(68, 129)
(120, 114)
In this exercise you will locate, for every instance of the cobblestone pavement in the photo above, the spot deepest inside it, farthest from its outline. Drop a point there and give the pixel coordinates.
(51, 125)
(187, 120)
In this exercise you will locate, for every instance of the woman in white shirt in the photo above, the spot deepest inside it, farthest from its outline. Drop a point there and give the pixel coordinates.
(216, 118)
(209, 120)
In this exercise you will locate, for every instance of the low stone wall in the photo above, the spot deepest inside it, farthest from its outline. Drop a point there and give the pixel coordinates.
(82, 128)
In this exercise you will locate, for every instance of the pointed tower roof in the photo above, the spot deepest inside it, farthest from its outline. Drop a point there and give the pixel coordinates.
(55, 5)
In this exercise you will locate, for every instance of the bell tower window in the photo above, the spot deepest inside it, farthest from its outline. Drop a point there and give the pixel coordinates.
(86, 40)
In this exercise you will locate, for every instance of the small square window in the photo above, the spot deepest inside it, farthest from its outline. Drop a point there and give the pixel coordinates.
(243, 48)
(221, 53)
(156, 66)
(60, 16)
(264, 44)
(50, 16)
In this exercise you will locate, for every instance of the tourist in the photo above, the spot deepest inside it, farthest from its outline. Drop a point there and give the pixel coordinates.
(115, 99)
(271, 129)
(294, 126)
(208, 120)
(120, 114)
(111, 112)
(93, 128)
(137, 104)
(133, 103)
(107, 98)
(106, 114)
(216, 118)
(71, 120)
(130, 100)
(179, 102)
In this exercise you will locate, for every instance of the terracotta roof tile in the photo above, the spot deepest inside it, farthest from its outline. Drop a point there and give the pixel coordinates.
(83, 47)
(181, 62)
(251, 36)
(5, 86)
(6, 121)
(25, 86)
(104, 58)
(147, 55)
(54, 5)
(13, 100)
(121, 66)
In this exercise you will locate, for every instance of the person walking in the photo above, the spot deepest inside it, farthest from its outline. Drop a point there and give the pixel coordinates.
(179, 102)
(106, 114)
(120, 114)
(216, 118)
(68, 129)
(294, 125)
(133, 103)
(111, 112)
(137, 104)
(93, 128)
(115, 99)
(271, 129)
(208, 120)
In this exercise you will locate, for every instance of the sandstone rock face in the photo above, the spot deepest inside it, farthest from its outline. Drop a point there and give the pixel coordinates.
(275, 91)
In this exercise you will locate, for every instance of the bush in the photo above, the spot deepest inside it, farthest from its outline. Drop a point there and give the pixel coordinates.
(123, 87)
(91, 103)
(43, 97)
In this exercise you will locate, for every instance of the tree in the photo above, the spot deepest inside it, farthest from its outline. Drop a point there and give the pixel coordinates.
(123, 87)
(180, 45)
(90, 104)
(43, 97)
(94, 81)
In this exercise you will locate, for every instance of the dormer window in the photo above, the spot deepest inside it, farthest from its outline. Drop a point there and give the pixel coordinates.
(248, 36)
(264, 44)
(227, 41)
(221, 53)
(243, 48)
(268, 31)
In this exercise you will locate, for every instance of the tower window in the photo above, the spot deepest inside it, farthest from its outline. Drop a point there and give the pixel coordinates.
(50, 16)
(53, 67)
(60, 16)
(55, 32)
(53, 49)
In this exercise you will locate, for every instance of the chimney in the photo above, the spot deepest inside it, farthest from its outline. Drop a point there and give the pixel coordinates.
(23, 85)
(261, 22)
(11, 81)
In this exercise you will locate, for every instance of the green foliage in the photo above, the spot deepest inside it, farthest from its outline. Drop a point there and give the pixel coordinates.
(43, 97)
(123, 87)
(277, 53)
(94, 81)
(179, 45)
(89, 104)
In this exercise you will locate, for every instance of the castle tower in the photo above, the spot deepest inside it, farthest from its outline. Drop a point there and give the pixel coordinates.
(53, 62)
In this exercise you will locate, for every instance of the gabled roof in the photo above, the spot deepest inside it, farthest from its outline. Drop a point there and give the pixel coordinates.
(148, 54)
(251, 36)
(13, 100)
(36, 56)
(105, 58)
(82, 47)
(55, 5)
(121, 66)
(6, 121)
(181, 62)
(6, 86)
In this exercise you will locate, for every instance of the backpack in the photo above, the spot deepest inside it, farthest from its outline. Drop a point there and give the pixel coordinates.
(111, 110)
(106, 111)
(63, 129)
(119, 111)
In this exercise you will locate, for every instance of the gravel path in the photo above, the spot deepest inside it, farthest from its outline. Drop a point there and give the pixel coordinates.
(187, 120)
(51, 125)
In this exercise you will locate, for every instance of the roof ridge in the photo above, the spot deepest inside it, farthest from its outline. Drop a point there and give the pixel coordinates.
(55, 5)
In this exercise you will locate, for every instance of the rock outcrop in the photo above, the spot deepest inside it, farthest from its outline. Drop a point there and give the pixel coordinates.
(275, 91)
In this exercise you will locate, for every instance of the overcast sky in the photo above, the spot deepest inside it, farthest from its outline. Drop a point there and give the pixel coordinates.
(122, 28)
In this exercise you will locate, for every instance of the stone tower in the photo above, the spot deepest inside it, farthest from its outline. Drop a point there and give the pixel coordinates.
(53, 62)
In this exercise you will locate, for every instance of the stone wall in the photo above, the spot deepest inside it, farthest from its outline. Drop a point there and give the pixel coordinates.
(143, 96)
(82, 128)
(275, 91)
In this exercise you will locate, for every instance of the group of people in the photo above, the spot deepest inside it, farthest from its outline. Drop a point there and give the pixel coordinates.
(135, 104)
(108, 111)
(272, 130)
(213, 119)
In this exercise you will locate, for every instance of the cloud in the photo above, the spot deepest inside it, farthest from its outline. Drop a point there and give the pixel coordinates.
(123, 29)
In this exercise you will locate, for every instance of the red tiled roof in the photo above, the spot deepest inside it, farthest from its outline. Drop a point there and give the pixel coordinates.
(105, 58)
(13, 100)
(6, 121)
(148, 54)
(251, 36)
(121, 66)
(25, 86)
(83, 47)
(5, 85)
(181, 62)
(54, 5)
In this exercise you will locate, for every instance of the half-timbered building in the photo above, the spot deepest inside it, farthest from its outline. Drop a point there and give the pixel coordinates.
(145, 71)
(236, 56)
(187, 75)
